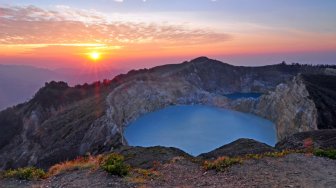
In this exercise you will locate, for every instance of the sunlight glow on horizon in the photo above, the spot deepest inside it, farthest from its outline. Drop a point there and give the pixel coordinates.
(130, 30)
(95, 56)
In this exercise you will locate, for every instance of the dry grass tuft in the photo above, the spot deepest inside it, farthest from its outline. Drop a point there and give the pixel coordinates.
(222, 163)
(140, 176)
(79, 163)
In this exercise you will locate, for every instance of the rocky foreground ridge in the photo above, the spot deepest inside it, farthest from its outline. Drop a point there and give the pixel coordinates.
(259, 165)
(62, 122)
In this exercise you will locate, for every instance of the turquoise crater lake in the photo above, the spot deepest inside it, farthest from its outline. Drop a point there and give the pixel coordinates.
(197, 129)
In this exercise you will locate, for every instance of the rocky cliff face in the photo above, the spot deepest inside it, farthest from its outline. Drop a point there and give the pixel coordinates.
(289, 106)
(62, 122)
(322, 90)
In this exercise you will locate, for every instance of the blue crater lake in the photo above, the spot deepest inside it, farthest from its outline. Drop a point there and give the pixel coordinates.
(197, 129)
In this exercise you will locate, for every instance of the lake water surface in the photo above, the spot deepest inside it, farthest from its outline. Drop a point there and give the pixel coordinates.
(197, 129)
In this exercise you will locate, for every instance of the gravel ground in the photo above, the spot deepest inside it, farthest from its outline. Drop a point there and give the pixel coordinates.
(294, 170)
(74, 179)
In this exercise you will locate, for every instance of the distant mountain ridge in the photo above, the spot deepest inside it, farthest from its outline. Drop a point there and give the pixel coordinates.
(61, 122)
(18, 83)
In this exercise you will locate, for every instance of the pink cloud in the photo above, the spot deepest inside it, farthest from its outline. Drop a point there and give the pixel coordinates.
(33, 25)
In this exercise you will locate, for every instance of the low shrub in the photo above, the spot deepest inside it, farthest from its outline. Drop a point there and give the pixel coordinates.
(330, 153)
(114, 164)
(253, 156)
(222, 163)
(27, 173)
(274, 154)
(278, 154)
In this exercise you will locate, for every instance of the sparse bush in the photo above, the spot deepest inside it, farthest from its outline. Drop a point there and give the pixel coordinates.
(27, 173)
(222, 163)
(330, 153)
(114, 164)
(275, 154)
(278, 154)
(253, 156)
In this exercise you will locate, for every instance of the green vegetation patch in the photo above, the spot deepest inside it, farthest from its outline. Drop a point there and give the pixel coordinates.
(222, 163)
(27, 173)
(115, 164)
(329, 153)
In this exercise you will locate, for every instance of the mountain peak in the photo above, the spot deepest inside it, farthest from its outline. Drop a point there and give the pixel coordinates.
(200, 59)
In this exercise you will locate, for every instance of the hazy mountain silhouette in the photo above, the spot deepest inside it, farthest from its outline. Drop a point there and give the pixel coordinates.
(18, 83)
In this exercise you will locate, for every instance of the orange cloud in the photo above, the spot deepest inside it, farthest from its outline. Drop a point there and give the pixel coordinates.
(29, 26)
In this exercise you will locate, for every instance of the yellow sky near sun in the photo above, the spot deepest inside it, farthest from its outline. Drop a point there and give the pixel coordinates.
(240, 43)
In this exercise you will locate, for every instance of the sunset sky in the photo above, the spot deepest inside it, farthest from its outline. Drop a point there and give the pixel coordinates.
(127, 34)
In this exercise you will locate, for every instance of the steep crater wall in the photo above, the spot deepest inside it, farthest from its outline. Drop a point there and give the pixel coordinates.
(289, 106)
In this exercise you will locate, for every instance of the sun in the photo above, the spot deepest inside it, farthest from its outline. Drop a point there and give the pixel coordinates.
(95, 56)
